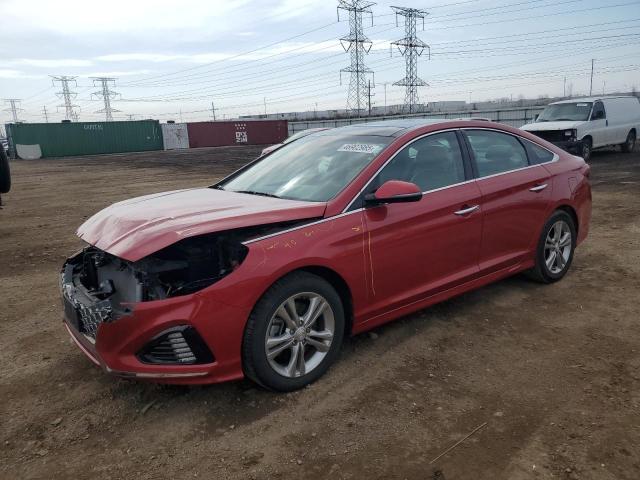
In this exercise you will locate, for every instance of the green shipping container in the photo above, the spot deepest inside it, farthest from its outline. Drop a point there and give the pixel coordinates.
(87, 138)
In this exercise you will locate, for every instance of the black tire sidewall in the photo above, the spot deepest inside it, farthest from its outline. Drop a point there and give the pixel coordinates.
(541, 265)
(628, 146)
(586, 142)
(5, 172)
(254, 355)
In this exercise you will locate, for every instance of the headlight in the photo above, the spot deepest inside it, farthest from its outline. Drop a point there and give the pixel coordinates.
(570, 133)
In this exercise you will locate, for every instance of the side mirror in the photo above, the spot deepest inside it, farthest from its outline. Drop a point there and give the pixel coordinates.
(394, 191)
(535, 119)
(599, 115)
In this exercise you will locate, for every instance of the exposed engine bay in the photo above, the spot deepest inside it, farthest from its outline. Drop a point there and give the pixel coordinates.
(99, 287)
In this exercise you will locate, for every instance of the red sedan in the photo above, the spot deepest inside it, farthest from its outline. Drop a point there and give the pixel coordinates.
(265, 272)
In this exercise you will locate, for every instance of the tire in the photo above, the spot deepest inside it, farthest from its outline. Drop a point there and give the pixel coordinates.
(268, 323)
(586, 149)
(546, 270)
(630, 144)
(5, 173)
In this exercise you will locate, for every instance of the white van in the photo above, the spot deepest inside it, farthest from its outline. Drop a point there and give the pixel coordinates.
(581, 125)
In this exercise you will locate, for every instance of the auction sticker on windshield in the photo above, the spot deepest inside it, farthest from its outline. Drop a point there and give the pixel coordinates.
(360, 148)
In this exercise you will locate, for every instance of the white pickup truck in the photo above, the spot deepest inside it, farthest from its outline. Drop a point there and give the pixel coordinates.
(581, 125)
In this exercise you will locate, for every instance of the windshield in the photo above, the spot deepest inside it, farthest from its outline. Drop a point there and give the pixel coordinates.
(314, 168)
(578, 111)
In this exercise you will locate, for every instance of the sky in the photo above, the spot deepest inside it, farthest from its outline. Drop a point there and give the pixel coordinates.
(171, 59)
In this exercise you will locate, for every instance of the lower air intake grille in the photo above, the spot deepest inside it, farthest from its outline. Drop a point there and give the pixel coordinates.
(180, 346)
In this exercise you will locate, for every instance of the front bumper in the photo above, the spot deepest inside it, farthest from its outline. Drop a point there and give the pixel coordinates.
(572, 146)
(117, 343)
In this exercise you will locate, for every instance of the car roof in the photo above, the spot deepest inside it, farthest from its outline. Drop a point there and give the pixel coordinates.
(384, 128)
(591, 99)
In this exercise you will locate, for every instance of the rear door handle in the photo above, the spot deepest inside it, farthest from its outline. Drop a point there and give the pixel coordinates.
(538, 188)
(467, 210)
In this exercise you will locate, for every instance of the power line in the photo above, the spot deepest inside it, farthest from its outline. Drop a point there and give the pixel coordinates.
(410, 47)
(107, 95)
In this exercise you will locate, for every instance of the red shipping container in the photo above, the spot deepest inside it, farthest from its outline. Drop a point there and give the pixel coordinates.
(250, 132)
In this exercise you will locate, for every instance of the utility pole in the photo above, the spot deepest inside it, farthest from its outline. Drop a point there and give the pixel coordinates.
(264, 99)
(369, 95)
(131, 116)
(591, 84)
(411, 47)
(107, 95)
(357, 44)
(213, 111)
(564, 88)
(13, 108)
(46, 115)
(385, 97)
(67, 95)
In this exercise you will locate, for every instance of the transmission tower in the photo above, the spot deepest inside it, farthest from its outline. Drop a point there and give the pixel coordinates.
(410, 47)
(357, 44)
(67, 95)
(107, 95)
(13, 108)
(45, 113)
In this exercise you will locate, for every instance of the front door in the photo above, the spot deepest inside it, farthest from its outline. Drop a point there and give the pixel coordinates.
(418, 249)
(515, 198)
(599, 126)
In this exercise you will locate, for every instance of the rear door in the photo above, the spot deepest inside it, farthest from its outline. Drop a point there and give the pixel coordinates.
(515, 197)
(418, 249)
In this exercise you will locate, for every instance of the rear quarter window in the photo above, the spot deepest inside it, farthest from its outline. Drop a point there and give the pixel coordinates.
(538, 154)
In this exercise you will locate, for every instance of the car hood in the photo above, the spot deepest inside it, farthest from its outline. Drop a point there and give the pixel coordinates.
(140, 226)
(539, 126)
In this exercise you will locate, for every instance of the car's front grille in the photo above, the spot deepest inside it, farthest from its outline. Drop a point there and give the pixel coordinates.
(551, 135)
(180, 345)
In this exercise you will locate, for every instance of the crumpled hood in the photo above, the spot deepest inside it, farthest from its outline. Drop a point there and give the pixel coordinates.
(538, 126)
(135, 228)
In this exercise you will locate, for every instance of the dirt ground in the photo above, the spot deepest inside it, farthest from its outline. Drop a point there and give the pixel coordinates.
(553, 371)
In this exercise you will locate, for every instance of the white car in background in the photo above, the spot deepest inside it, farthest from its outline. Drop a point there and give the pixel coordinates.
(579, 126)
(292, 138)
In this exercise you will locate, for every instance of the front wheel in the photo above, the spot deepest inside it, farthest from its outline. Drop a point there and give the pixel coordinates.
(555, 249)
(630, 144)
(294, 333)
(587, 147)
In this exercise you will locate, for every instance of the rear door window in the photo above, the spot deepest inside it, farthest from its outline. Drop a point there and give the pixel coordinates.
(496, 152)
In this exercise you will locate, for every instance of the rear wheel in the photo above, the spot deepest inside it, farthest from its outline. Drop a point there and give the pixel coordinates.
(556, 246)
(294, 333)
(630, 144)
(587, 147)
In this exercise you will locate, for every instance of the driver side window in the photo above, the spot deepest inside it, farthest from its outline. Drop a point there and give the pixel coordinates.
(432, 162)
(598, 111)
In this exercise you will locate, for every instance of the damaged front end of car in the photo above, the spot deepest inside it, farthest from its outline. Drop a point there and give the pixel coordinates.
(98, 287)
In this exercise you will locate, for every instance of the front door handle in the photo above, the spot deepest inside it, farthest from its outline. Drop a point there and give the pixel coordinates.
(538, 188)
(467, 210)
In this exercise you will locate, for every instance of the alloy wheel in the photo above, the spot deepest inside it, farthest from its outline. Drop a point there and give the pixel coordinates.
(299, 334)
(557, 247)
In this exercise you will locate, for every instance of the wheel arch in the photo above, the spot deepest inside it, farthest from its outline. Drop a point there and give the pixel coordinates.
(339, 283)
(571, 212)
